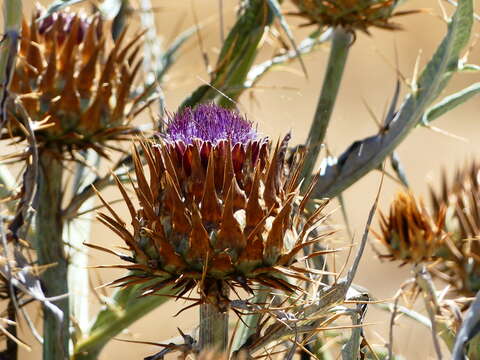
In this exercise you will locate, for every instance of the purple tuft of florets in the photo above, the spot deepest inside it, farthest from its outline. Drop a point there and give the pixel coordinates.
(62, 23)
(210, 122)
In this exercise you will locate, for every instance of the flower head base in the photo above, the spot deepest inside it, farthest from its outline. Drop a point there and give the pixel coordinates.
(75, 91)
(409, 233)
(215, 214)
(210, 123)
(351, 15)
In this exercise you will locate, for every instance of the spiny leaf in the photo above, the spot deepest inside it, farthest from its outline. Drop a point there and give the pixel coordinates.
(450, 102)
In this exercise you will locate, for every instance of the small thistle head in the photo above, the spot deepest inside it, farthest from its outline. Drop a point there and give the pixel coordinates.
(219, 209)
(461, 198)
(76, 92)
(352, 15)
(409, 232)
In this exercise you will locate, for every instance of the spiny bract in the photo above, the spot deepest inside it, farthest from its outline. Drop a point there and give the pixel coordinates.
(219, 209)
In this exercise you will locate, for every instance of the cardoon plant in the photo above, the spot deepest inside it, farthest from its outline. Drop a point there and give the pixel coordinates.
(219, 215)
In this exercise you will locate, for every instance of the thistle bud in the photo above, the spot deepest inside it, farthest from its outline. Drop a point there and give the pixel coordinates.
(409, 232)
(76, 92)
(219, 208)
(351, 15)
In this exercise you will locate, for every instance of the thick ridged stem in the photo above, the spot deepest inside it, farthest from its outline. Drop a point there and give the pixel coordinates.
(50, 251)
(339, 50)
(213, 328)
(214, 321)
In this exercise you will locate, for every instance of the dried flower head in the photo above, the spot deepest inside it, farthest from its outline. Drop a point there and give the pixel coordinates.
(76, 92)
(220, 209)
(410, 233)
(351, 15)
(461, 197)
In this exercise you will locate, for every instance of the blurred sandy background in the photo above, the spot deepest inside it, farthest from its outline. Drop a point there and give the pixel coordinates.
(285, 100)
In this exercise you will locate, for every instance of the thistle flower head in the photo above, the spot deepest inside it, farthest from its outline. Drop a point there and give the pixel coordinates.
(76, 92)
(461, 197)
(212, 212)
(351, 15)
(409, 232)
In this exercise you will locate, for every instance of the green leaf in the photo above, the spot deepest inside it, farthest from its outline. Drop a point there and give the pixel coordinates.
(236, 57)
(124, 309)
(450, 102)
(470, 68)
(367, 154)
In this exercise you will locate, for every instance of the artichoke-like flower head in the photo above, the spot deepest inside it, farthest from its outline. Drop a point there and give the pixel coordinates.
(219, 208)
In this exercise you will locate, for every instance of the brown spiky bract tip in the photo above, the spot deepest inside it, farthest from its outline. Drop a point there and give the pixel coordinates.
(351, 15)
(75, 88)
(215, 216)
(409, 233)
(461, 197)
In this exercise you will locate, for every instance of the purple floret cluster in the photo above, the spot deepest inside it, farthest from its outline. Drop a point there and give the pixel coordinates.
(209, 122)
(65, 23)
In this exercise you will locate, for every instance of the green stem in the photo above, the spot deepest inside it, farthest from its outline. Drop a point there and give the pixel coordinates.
(50, 251)
(214, 320)
(333, 76)
(213, 328)
(125, 308)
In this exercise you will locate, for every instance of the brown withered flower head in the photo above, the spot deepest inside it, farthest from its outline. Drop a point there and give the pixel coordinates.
(409, 233)
(220, 209)
(75, 88)
(352, 15)
(461, 260)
